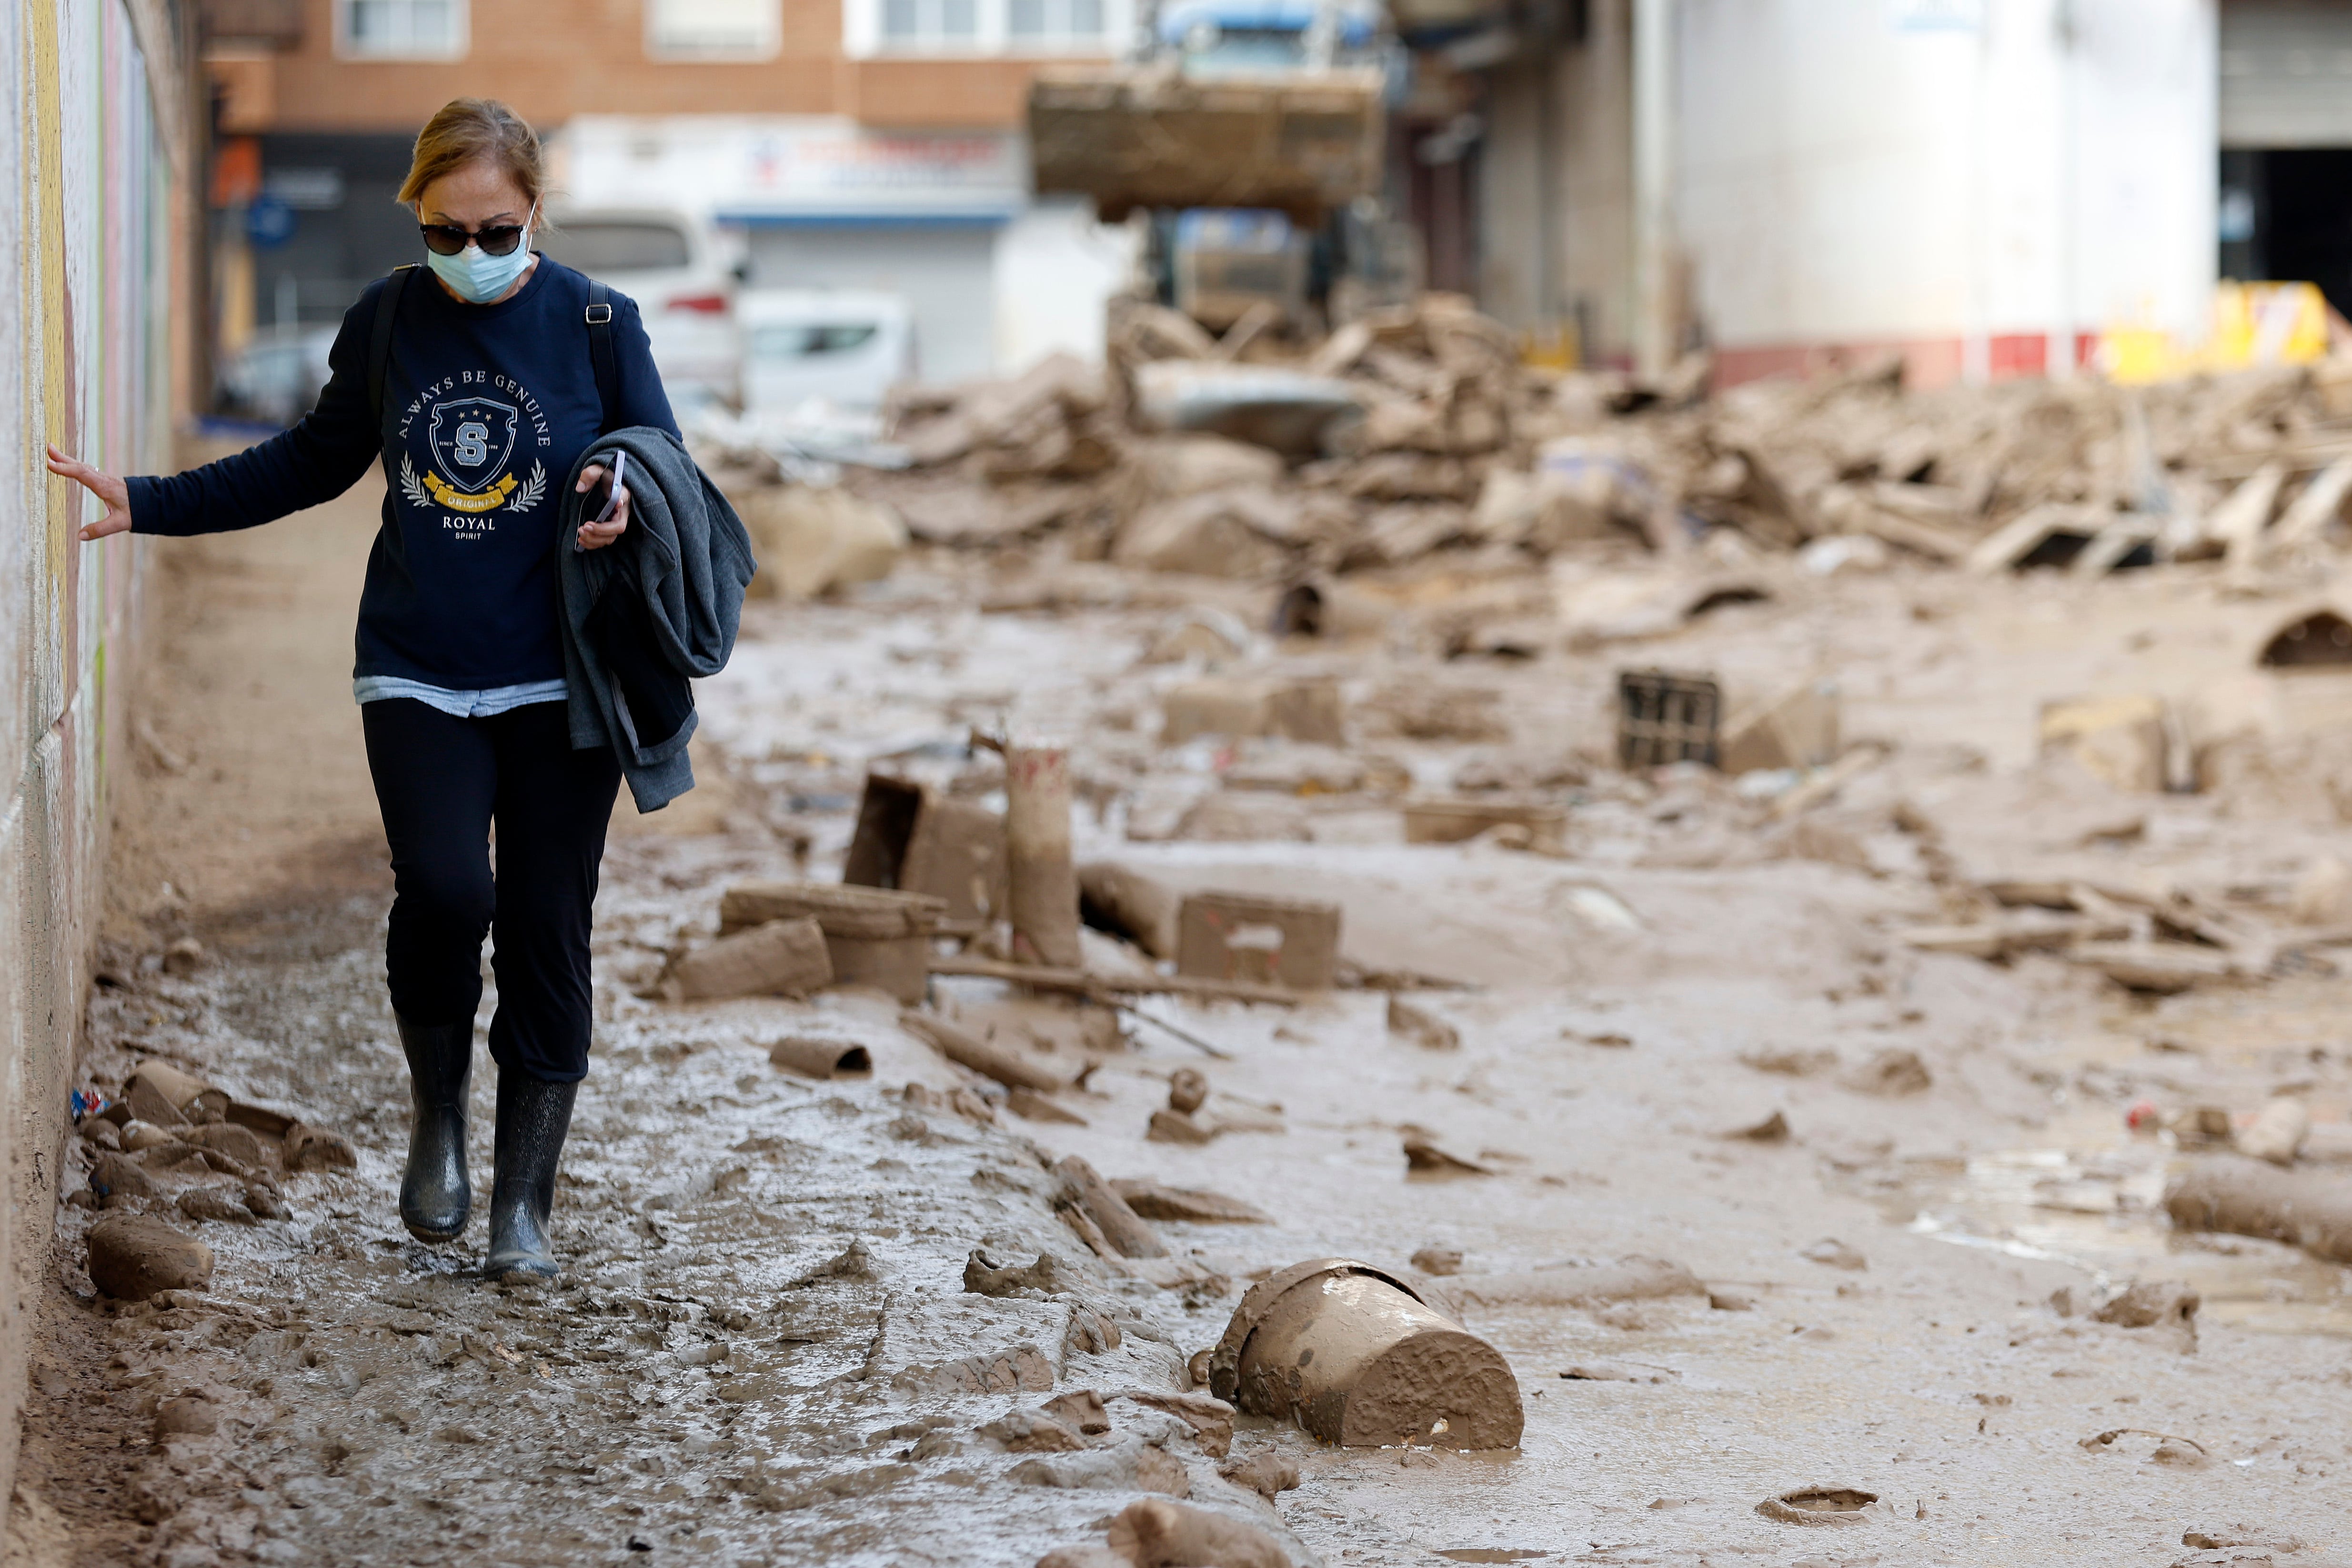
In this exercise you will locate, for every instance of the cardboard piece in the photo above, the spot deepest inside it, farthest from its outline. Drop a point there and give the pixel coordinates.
(1798, 728)
(1452, 821)
(1240, 936)
(913, 839)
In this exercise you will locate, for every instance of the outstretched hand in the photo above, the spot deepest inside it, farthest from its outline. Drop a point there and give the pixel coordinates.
(104, 486)
(594, 535)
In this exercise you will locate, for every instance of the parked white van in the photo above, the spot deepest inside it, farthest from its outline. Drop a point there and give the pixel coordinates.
(669, 264)
(838, 347)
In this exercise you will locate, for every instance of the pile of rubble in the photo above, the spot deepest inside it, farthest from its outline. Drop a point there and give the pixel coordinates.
(2082, 474)
(2148, 943)
(1415, 430)
(1231, 458)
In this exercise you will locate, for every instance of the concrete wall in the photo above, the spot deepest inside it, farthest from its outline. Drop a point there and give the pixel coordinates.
(1517, 247)
(1983, 185)
(92, 156)
(1979, 183)
(1568, 260)
(1055, 270)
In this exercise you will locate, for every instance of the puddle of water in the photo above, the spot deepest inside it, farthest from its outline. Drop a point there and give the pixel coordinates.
(2102, 1211)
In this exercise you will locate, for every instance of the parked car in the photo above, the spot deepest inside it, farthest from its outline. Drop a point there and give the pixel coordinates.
(838, 347)
(669, 264)
(279, 374)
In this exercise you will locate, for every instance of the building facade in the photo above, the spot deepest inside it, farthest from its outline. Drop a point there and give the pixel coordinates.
(873, 144)
(1988, 187)
(1984, 186)
(2285, 120)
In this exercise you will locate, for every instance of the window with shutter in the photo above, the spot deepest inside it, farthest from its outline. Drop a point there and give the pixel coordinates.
(953, 27)
(713, 29)
(401, 30)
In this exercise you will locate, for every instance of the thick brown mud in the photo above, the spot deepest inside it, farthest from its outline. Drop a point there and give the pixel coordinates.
(763, 1349)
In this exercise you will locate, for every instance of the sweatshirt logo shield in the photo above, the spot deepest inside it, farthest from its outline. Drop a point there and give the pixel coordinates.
(470, 439)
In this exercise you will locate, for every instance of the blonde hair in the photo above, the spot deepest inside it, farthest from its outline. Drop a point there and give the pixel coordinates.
(470, 131)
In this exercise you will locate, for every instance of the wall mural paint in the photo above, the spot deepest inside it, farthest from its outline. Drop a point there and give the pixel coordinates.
(85, 345)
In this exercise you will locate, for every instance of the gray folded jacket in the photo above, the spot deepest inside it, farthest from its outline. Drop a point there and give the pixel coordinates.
(685, 560)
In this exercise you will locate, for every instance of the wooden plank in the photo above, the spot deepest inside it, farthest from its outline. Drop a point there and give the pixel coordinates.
(1910, 533)
(2237, 524)
(2322, 502)
(1087, 983)
(1013, 1070)
(2294, 457)
(2003, 548)
(1826, 782)
(1452, 821)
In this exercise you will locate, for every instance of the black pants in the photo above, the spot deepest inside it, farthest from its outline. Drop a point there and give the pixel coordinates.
(442, 782)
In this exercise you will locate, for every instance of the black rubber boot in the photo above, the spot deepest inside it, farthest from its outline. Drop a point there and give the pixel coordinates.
(435, 1196)
(533, 1117)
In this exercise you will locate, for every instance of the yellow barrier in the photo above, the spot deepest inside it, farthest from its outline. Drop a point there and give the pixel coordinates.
(2253, 324)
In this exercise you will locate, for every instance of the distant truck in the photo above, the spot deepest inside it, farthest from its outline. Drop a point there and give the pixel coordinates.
(1255, 136)
(1150, 136)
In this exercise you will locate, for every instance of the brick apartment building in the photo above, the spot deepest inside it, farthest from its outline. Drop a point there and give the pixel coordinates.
(834, 142)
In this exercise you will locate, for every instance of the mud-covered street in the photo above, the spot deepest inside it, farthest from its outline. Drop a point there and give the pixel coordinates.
(1477, 781)
(1891, 1193)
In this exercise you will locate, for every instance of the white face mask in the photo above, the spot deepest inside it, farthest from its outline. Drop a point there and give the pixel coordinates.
(478, 276)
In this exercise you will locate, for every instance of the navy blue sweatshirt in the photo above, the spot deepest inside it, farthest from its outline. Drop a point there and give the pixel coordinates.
(490, 406)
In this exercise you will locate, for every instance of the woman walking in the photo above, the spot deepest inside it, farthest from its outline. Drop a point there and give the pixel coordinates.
(480, 388)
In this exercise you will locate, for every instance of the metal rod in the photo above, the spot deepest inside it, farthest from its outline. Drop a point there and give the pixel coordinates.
(1193, 1040)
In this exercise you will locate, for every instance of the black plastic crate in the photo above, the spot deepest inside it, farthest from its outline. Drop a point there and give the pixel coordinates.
(1665, 717)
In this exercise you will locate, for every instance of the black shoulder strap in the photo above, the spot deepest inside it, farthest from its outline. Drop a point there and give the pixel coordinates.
(600, 351)
(388, 307)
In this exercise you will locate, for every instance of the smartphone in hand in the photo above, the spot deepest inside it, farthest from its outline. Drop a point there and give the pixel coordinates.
(612, 487)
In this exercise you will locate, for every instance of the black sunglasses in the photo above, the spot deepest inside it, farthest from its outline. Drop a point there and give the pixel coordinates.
(448, 239)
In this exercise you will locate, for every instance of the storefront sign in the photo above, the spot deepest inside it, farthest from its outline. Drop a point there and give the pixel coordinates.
(795, 169)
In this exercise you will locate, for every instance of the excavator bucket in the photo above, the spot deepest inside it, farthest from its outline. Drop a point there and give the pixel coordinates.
(1301, 142)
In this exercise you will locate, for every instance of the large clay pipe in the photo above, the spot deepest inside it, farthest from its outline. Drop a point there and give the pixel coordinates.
(2248, 1198)
(1043, 895)
(1356, 1357)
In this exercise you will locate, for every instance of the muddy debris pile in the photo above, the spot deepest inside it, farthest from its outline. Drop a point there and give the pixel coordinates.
(1159, 1533)
(1012, 1153)
(930, 1302)
(811, 535)
(167, 1150)
(1850, 468)
(2153, 943)
(1415, 432)
(1238, 458)
(936, 886)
